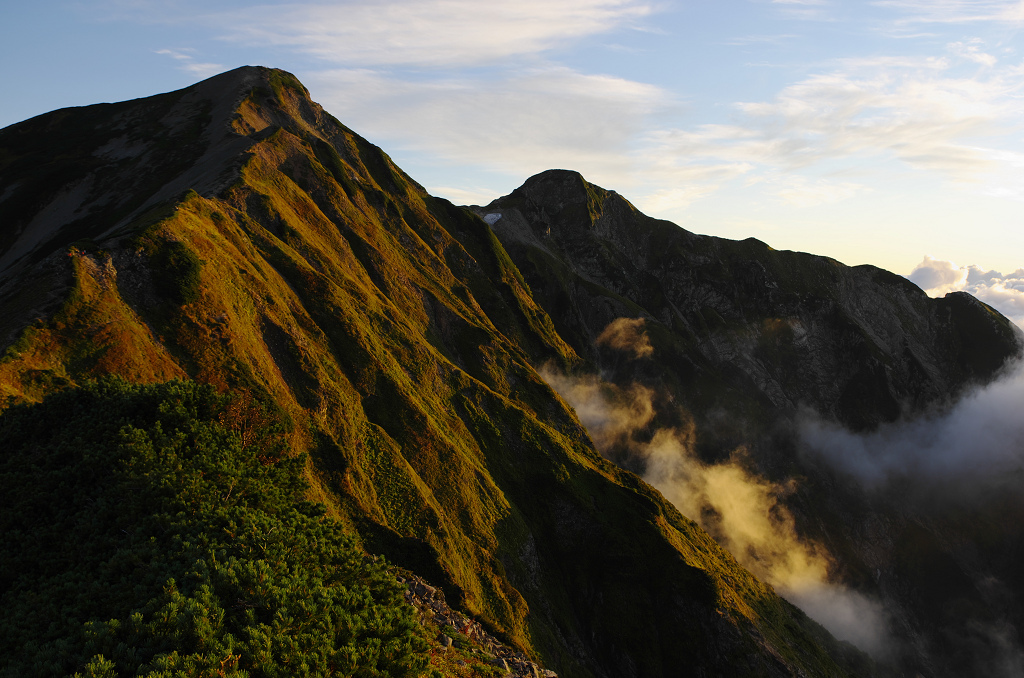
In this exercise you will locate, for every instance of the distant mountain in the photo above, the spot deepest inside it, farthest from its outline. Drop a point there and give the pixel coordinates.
(236, 234)
(744, 340)
(742, 326)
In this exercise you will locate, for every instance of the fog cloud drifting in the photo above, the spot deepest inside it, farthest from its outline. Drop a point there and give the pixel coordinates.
(968, 454)
(1005, 293)
(743, 511)
(626, 335)
(978, 443)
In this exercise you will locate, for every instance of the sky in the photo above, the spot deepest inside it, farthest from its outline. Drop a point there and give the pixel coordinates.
(888, 132)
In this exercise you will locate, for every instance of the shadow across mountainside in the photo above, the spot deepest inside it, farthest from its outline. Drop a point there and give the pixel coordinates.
(742, 354)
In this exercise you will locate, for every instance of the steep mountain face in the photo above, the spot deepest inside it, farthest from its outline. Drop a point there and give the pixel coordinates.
(743, 326)
(236, 234)
(743, 340)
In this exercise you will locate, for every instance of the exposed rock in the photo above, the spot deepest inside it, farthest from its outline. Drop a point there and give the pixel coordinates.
(431, 604)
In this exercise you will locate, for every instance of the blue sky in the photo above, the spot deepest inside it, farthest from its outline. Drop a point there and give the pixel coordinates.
(874, 132)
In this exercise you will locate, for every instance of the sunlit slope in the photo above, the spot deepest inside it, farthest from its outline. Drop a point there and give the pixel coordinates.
(284, 257)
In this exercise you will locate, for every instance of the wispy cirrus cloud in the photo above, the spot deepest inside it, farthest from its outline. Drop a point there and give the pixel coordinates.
(955, 11)
(774, 40)
(187, 62)
(911, 109)
(816, 10)
(801, 191)
(425, 33)
(519, 122)
(915, 110)
(972, 51)
(922, 112)
(408, 72)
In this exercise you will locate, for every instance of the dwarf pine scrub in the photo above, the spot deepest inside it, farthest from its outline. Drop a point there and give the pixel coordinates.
(140, 537)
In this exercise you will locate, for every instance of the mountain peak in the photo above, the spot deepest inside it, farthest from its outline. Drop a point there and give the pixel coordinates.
(556, 187)
(562, 197)
(92, 171)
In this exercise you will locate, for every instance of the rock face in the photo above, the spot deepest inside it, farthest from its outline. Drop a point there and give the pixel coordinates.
(740, 325)
(741, 338)
(235, 233)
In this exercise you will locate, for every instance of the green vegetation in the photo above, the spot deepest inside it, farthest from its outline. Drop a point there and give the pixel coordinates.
(176, 271)
(142, 537)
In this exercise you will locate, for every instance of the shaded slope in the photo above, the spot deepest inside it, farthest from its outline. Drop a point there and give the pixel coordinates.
(744, 326)
(744, 337)
(294, 264)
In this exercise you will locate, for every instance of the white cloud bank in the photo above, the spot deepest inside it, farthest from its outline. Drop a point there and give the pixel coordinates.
(978, 443)
(970, 454)
(1005, 293)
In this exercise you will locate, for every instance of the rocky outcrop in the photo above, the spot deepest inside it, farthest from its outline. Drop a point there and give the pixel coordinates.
(435, 613)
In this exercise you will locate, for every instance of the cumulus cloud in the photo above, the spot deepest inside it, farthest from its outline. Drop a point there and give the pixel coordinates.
(1005, 293)
(627, 335)
(744, 512)
(937, 277)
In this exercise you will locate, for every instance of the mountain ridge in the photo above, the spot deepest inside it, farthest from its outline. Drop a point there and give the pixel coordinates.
(321, 282)
(619, 249)
(396, 337)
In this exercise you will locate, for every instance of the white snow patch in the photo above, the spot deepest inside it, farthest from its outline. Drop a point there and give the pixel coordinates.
(492, 217)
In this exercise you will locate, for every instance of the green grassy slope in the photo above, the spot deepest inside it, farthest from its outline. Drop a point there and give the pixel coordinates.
(395, 339)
